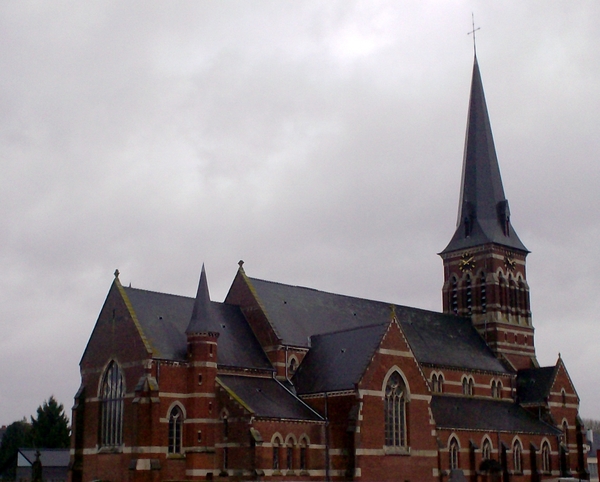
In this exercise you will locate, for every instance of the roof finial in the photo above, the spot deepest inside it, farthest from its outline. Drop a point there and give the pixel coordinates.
(472, 32)
(117, 273)
(241, 263)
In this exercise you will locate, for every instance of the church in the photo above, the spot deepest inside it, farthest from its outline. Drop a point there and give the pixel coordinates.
(282, 382)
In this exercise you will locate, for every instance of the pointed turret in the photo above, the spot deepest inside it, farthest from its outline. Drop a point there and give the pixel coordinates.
(201, 311)
(483, 214)
(484, 263)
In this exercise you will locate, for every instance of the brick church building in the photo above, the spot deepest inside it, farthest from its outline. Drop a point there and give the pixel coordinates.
(281, 382)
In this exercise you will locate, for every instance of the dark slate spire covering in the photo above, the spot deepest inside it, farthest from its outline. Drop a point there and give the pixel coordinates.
(483, 214)
(201, 313)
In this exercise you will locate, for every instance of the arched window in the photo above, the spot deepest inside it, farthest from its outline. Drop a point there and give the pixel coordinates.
(517, 457)
(453, 450)
(290, 455)
(303, 454)
(563, 396)
(496, 389)
(546, 466)
(395, 411)
(468, 386)
(276, 444)
(565, 429)
(293, 365)
(112, 393)
(175, 430)
(437, 383)
(486, 450)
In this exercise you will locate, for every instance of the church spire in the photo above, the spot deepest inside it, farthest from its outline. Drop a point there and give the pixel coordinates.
(483, 213)
(484, 263)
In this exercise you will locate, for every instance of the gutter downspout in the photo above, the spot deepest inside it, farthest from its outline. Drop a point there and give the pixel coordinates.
(327, 475)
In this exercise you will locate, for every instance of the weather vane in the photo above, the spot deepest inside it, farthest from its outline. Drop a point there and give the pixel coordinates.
(472, 32)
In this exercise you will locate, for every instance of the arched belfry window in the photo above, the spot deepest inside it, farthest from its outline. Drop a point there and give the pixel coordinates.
(483, 292)
(468, 295)
(395, 411)
(454, 296)
(112, 394)
(175, 430)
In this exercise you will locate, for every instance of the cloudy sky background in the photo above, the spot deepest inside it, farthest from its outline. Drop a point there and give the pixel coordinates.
(320, 142)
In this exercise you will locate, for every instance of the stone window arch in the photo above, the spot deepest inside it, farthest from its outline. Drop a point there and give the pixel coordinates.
(112, 396)
(395, 412)
(517, 456)
(468, 386)
(454, 453)
(276, 442)
(437, 383)
(496, 389)
(486, 449)
(546, 460)
(175, 429)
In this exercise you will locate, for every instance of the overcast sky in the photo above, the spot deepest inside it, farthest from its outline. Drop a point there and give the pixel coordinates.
(320, 142)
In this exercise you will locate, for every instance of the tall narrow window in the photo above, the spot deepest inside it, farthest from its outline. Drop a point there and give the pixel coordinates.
(395, 412)
(437, 383)
(276, 445)
(517, 457)
(468, 386)
(112, 394)
(469, 296)
(454, 297)
(483, 293)
(453, 452)
(303, 448)
(486, 450)
(546, 467)
(290, 456)
(175, 430)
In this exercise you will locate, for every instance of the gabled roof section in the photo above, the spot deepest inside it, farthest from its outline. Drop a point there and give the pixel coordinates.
(463, 413)
(483, 213)
(165, 318)
(337, 361)
(267, 398)
(534, 384)
(298, 313)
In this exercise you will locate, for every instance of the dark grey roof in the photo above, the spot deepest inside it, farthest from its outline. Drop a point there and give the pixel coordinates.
(267, 398)
(297, 313)
(48, 457)
(534, 384)
(336, 361)
(463, 413)
(164, 319)
(483, 214)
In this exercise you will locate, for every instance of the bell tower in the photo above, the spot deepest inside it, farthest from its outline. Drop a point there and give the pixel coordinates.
(484, 263)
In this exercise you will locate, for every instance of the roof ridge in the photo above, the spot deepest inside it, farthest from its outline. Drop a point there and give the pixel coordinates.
(346, 330)
(157, 292)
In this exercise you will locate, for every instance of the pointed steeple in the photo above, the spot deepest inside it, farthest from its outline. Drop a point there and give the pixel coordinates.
(483, 213)
(201, 314)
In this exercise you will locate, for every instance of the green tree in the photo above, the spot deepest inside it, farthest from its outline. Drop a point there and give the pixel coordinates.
(17, 435)
(50, 429)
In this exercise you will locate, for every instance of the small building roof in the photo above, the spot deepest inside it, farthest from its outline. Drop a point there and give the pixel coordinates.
(267, 398)
(48, 457)
(463, 413)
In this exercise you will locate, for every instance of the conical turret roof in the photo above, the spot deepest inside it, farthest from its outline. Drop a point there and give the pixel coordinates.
(483, 213)
(202, 314)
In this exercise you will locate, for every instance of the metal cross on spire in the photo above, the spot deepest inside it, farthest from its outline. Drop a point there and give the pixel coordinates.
(472, 32)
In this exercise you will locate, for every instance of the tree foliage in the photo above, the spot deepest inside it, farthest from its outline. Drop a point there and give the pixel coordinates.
(50, 429)
(17, 435)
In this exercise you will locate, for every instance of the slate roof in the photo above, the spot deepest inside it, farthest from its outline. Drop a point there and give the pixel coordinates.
(48, 457)
(336, 361)
(164, 319)
(462, 413)
(267, 398)
(297, 313)
(534, 384)
(483, 205)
